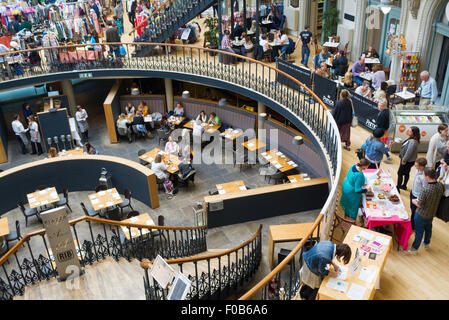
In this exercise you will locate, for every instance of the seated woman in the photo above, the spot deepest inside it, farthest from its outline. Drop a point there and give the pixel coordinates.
(347, 81)
(378, 76)
(171, 146)
(249, 47)
(123, 127)
(253, 28)
(381, 93)
(143, 108)
(139, 122)
(214, 119)
(130, 109)
(322, 71)
(159, 168)
(52, 153)
(179, 110)
(202, 117)
(364, 90)
(353, 188)
(90, 149)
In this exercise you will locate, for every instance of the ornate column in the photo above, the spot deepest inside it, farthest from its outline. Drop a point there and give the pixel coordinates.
(359, 30)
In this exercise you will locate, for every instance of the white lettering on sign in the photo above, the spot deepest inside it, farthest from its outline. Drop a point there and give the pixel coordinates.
(370, 124)
(327, 100)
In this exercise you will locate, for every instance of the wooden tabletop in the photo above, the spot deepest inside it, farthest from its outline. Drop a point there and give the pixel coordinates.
(4, 228)
(231, 187)
(175, 120)
(105, 199)
(170, 160)
(286, 233)
(279, 160)
(72, 152)
(297, 178)
(231, 134)
(253, 144)
(207, 128)
(326, 293)
(42, 197)
(144, 218)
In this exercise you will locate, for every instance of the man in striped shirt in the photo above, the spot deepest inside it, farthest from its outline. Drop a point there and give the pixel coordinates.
(427, 204)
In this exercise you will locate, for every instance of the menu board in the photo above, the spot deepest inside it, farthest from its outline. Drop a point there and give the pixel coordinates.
(325, 89)
(301, 74)
(365, 110)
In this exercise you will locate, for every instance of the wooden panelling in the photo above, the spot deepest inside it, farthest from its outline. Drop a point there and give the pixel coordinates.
(107, 105)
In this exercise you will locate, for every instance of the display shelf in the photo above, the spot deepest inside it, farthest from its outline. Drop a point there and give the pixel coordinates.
(410, 70)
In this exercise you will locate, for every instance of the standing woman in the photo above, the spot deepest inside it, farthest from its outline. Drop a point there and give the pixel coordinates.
(318, 263)
(35, 136)
(437, 147)
(408, 155)
(353, 188)
(343, 117)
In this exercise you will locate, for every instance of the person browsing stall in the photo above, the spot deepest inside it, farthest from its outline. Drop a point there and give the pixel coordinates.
(437, 146)
(408, 155)
(428, 90)
(375, 148)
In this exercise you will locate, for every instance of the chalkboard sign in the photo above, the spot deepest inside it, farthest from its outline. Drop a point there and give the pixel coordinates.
(325, 89)
(54, 124)
(299, 73)
(365, 110)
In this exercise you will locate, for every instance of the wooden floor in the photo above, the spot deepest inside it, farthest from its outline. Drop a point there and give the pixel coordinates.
(409, 277)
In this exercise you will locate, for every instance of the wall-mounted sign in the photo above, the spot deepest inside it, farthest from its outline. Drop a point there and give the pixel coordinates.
(57, 229)
(86, 75)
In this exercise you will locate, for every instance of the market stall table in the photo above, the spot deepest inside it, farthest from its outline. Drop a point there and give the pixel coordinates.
(143, 218)
(231, 187)
(287, 233)
(254, 144)
(381, 212)
(170, 160)
(105, 199)
(279, 160)
(42, 197)
(362, 281)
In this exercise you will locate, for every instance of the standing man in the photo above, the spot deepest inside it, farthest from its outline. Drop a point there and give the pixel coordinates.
(427, 206)
(306, 38)
(35, 137)
(113, 36)
(20, 133)
(81, 118)
(428, 90)
(118, 10)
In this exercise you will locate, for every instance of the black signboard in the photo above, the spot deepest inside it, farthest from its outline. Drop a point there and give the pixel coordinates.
(325, 89)
(365, 110)
(299, 73)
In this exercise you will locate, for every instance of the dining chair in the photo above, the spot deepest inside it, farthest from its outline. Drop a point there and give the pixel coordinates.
(28, 212)
(13, 235)
(64, 200)
(101, 187)
(89, 212)
(126, 202)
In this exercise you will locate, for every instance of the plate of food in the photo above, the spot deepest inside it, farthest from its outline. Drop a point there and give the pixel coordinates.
(381, 196)
(386, 187)
(376, 182)
(394, 198)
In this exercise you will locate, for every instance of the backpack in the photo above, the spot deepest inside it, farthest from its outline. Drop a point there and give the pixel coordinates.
(168, 186)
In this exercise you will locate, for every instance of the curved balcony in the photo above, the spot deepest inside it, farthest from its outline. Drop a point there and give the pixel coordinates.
(248, 77)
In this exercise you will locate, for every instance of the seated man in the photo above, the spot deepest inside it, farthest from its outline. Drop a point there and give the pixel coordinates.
(357, 69)
(214, 119)
(364, 90)
(283, 41)
(226, 45)
(320, 57)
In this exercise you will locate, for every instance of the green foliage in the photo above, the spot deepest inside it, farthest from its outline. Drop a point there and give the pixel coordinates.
(211, 35)
(330, 22)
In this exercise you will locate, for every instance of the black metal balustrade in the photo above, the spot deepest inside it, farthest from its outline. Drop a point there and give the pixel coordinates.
(213, 65)
(96, 239)
(217, 277)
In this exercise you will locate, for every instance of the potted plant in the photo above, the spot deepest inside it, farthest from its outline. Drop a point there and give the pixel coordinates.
(211, 35)
(330, 22)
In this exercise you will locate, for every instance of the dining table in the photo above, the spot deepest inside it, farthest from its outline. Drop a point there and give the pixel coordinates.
(131, 233)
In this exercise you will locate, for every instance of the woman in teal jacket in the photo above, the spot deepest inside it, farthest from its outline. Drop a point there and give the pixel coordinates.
(352, 188)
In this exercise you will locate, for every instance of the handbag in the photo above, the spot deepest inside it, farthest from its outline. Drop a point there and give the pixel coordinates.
(355, 120)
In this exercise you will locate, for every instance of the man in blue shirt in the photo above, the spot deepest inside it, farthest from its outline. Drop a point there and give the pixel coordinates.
(306, 38)
(428, 90)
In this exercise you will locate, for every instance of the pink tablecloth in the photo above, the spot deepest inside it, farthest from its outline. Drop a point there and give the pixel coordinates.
(79, 55)
(403, 228)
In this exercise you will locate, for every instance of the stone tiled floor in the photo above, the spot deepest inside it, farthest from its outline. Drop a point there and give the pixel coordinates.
(178, 210)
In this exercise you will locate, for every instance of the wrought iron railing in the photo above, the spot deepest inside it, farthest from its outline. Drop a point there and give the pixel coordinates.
(249, 73)
(214, 276)
(30, 260)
